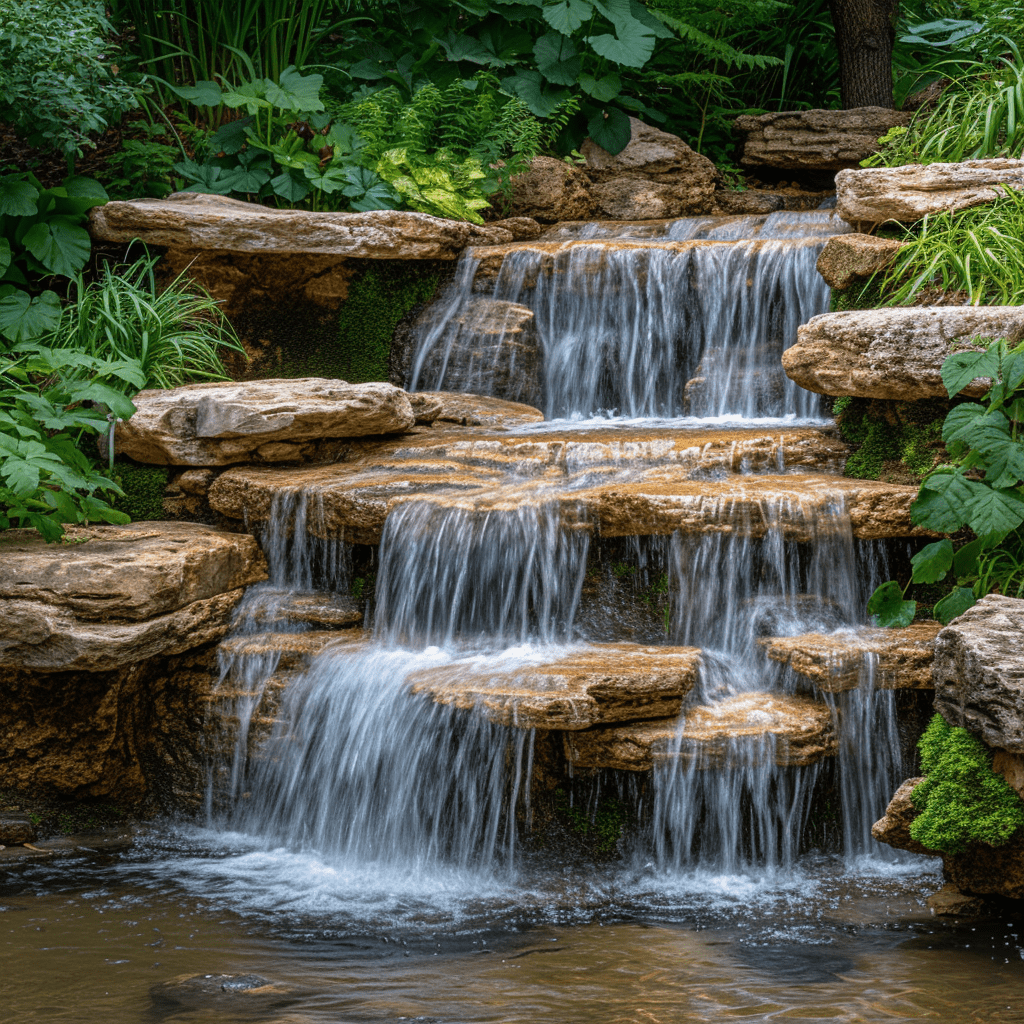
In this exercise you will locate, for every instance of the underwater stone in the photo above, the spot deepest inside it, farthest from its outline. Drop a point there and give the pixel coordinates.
(215, 424)
(876, 194)
(894, 353)
(847, 259)
(979, 672)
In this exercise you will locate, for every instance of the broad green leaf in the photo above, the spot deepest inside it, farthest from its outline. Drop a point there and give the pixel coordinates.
(632, 49)
(567, 16)
(230, 138)
(48, 527)
(17, 196)
(21, 475)
(458, 46)
(296, 91)
(61, 246)
(611, 133)
(954, 604)
(601, 89)
(344, 138)
(993, 514)
(658, 27)
(330, 179)
(530, 87)
(943, 502)
(250, 95)
(23, 318)
(557, 59)
(202, 94)
(1006, 465)
(889, 608)
(369, 69)
(965, 561)
(972, 426)
(5, 255)
(961, 368)
(291, 186)
(932, 562)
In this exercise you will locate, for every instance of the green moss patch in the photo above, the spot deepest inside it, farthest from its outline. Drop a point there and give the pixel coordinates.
(143, 488)
(961, 800)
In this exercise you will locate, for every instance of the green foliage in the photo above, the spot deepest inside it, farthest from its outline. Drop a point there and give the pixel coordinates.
(144, 165)
(603, 827)
(906, 435)
(142, 490)
(42, 235)
(981, 488)
(49, 401)
(174, 334)
(961, 801)
(976, 251)
(58, 79)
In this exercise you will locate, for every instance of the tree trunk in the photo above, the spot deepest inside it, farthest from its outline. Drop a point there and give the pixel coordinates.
(865, 32)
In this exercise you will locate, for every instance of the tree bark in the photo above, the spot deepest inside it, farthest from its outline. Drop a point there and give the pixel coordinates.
(865, 33)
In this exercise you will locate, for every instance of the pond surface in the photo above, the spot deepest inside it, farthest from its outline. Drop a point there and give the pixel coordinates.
(86, 938)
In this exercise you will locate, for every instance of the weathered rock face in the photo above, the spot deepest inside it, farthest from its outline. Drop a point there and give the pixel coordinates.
(979, 672)
(551, 190)
(600, 684)
(476, 410)
(189, 220)
(894, 827)
(656, 175)
(801, 733)
(216, 424)
(815, 140)
(984, 870)
(894, 353)
(848, 259)
(898, 658)
(522, 229)
(115, 595)
(877, 194)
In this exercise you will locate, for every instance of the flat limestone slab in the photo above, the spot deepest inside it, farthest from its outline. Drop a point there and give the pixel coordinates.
(477, 410)
(793, 730)
(875, 194)
(294, 650)
(315, 610)
(979, 672)
(853, 257)
(219, 423)
(599, 684)
(894, 353)
(191, 221)
(834, 662)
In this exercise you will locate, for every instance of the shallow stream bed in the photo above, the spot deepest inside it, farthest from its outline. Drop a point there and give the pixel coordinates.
(86, 938)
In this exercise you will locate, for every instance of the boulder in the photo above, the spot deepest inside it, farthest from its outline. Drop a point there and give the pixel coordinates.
(112, 596)
(192, 221)
(632, 197)
(551, 190)
(898, 658)
(906, 194)
(596, 685)
(476, 410)
(894, 353)
(815, 140)
(522, 229)
(949, 901)
(983, 870)
(979, 672)
(849, 259)
(216, 424)
(894, 828)
(16, 829)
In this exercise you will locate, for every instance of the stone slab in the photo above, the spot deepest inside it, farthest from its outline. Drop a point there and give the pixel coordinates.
(852, 258)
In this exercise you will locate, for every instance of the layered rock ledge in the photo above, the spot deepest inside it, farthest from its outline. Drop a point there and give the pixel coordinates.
(191, 221)
(215, 424)
(815, 140)
(894, 353)
(874, 195)
(887, 659)
(851, 258)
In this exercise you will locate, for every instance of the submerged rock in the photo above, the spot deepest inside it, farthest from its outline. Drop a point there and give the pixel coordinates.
(815, 140)
(877, 194)
(979, 672)
(850, 258)
(215, 424)
(894, 353)
(220, 992)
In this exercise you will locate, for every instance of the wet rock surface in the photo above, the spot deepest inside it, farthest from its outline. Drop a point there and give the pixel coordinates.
(852, 258)
(232, 993)
(16, 829)
(887, 659)
(894, 353)
(877, 194)
(979, 672)
(815, 140)
(468, 410)
(216, 424)
(551, 190)
(894, 827)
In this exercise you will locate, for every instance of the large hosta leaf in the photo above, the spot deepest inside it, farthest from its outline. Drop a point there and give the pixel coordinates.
(60, 244)
(566, 16)
(611, 132)
(17, 196)
(529, 86)
(23, 318)
(557, 59)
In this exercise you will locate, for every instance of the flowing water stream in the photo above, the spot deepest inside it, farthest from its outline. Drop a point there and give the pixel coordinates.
(381, 855)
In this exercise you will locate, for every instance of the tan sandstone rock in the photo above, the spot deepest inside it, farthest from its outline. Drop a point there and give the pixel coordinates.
(215, 424)
(894, 353)
(786, 730)
(979, 672)
(599, 684)
(894, 827)
(477, 410)
(897, 658)
(848, 259)
(815, 140)
(876, 194)
(551, 190)
(192, 221)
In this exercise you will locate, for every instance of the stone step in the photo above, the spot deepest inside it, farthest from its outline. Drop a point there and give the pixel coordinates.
(294, 650)
(738, 731)
(837, 661)
(318, 610)
(582, 688)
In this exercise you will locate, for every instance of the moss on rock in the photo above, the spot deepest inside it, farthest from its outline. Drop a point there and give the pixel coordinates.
(143, 488)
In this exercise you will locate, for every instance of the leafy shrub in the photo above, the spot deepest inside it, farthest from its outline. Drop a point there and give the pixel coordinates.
(49, 401)
(42, 233)
(961, 800)
(174, 334)
(143, 167)
(57, 80)
(981, 489)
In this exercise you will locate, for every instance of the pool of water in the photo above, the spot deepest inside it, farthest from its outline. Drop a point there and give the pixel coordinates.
(101, 937)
